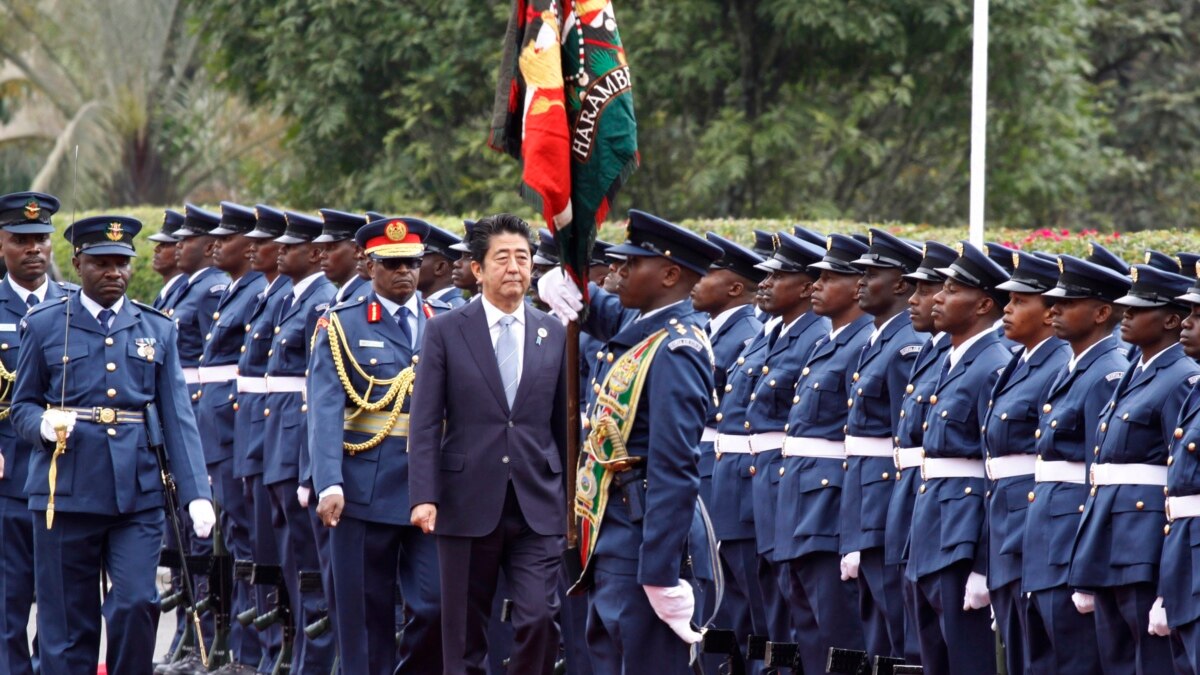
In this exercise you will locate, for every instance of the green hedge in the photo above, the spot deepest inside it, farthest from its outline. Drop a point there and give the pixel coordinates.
(145, 282)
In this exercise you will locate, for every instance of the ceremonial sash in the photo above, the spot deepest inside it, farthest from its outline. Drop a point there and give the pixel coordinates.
(611, 422)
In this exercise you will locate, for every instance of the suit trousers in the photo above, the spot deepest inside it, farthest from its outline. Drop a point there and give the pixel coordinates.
(1122, 622)
(1058, 639)
(953, 640)
(469, 567)
(16, 585)
(69, 558)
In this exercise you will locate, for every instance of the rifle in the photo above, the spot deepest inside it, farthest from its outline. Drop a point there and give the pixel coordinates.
(154, 438)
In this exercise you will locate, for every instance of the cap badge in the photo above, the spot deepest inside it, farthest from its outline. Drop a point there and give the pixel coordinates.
(1091, 248)
(1016, 260)
(1060, 265)
(114, 232)
(925, 250)
(775, 243)
(1133, 274)
(367, 218)
(396, 230)
(32, 209)
(1148, 255)
(958, 248)
(828, 243)
(987, 251)
(1198, 268)
(870, 238)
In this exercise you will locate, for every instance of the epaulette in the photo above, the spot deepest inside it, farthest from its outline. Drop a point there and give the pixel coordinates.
(909, 349)
(43, 306)
(148, 308)
(68, 286)
(1192, 380)
(348, 302)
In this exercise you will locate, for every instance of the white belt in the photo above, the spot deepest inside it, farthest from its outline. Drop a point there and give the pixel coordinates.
(733, 444)
(1129, 474)
(214, 374)
(862, 446)
(284, 384)
(909, 458)
(709, 435)
(951, 467)
(251, 385)
(1183, 507)
(769, 440)
(191, 375)
(1060, 472)
(800, 446)
(1007, 466)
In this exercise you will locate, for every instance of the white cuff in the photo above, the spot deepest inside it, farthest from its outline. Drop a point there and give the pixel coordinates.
(331, 490)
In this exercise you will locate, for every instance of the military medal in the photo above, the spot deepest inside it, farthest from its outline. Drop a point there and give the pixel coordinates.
(145, 348)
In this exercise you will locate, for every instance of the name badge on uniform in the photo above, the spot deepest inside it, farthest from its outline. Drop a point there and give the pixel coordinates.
(8, 327)
(145, 348)
(371, 343)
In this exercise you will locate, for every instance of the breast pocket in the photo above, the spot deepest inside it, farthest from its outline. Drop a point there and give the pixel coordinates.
(1137, 525)
(143, 361)
(1136, 429)
(877, 485)
(821, 490)
(960, 504)
(779, 388)
(378, 362)
(77, 377)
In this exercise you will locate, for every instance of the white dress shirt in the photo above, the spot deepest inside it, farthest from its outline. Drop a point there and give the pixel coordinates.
(494, 314)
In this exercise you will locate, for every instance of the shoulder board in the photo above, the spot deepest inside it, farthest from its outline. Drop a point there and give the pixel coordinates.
(147, 308)
(1116, 375)
(68, 286)
(348, 302)
(321, 308)
(1015, 348)
(218, 288)
(1123, 351)
(427, 310)
(43, 306)
(910, 349)
(1192, 379)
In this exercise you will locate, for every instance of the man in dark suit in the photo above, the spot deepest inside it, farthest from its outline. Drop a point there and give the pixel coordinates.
(487, 444)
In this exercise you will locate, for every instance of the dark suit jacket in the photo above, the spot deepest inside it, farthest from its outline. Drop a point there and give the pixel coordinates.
(465, 444)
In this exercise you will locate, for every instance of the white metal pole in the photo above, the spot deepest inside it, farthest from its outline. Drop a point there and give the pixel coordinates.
(979, 70)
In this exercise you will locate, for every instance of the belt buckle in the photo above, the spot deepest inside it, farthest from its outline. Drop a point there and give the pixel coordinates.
(717, 446)
(987, 468)
(1092, 475)
(1167, 509)
(104, 415)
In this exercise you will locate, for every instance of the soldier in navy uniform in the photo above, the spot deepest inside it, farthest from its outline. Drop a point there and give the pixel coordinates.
(1099, 255)
(165, 261)
(877, 388)
(806, 527)
(361, 475)
(285, 451)
(216, 416)
(464, 280)
(25, 229)
(340, 254)
(250, 404)
(1009, 442)
(1178, 572)
(1060, 634)
(750, 423)
(95, 487)
(947, 557)
(1118, 545)
(437, 270)
(910, 428)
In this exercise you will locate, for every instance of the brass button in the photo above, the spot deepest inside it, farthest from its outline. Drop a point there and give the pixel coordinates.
(885, 475)
(753, 397)
(902, 413)
(216, 315)
(600, 355)
(920, 399)
(746, 424)
(944, 413)
(854, 377)
(271, 352)
(1037, 434)
(1103, 426)
(504, 459)
(609, 357)
(1081, 505)
(728, 388)
(1140, 505)
(1178, 432)
(765, 370)
(266, 412)
(1191, 447)
(255, 336)
(1003, 416)
(283, 341)
(909, 389)
(933, 399)
(207, 337)
(805, 371)
(108, 341)
(304, 408)
(1170, 460)
(720, 416)
(247, 328)
(277, 330)
(1166, 530)
(243, 349)
(922, 489)
(1031, 497)
(374, 361)
(860, 391)
(1125, 416)
(110, 367)
(824, 482)
(1093, 493)
(1047, 408)
(795, 400)
(111, 393)
(967, 490)
(924, 426)
(771, 383)
(849, 403)
(235, 406)
(596, 388)
(753, 470)
(782, 469)
(786, 427)
(897, 474)
(1053, 424)
(112, 431)
(741, 360)
(816, 385)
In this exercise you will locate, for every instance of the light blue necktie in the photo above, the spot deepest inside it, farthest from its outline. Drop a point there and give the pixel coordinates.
(506, 357)
(402, 321)
(105, 317)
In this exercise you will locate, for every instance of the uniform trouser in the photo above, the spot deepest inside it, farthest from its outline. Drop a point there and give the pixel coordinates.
(573, 619)
(624, 635)
(190, 545)
(880, 604)
(469, 567)
(235, 522)
(1185, 647)
(325, 561)
(298, 553)
(953, 640)
(1008, 606)
(69, 559)
(818, 591)
(16, 585)
(912, 631)
(367, 558)
(776, 588)
(264, 551)
(1058, 639)
(743, 608)
(1122, 624)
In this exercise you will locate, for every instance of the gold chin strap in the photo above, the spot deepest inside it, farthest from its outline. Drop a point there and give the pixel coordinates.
(399, 387)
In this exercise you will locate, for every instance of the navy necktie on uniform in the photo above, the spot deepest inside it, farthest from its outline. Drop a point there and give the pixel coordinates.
(31, 300)
(105, 317)
(775, 332)
(945, 372)
(401, 317)
(506, 357)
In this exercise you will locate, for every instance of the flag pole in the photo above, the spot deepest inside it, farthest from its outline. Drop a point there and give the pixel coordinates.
(979, 74)
(573, 429)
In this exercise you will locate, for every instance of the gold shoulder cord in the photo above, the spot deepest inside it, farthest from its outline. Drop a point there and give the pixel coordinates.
(398, 387)
(6, 384)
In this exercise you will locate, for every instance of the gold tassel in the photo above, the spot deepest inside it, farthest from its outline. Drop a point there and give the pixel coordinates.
(60, 446)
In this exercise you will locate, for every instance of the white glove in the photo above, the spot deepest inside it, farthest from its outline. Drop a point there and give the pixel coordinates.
(1158, 619)
(54, 418)
(976, 595)
(1085, 603)
(203, 517)
(560, 294)
(302, 495)
(674, 605)
(850, 565)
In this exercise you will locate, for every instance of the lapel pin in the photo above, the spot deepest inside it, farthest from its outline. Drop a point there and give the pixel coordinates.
(542, 332)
